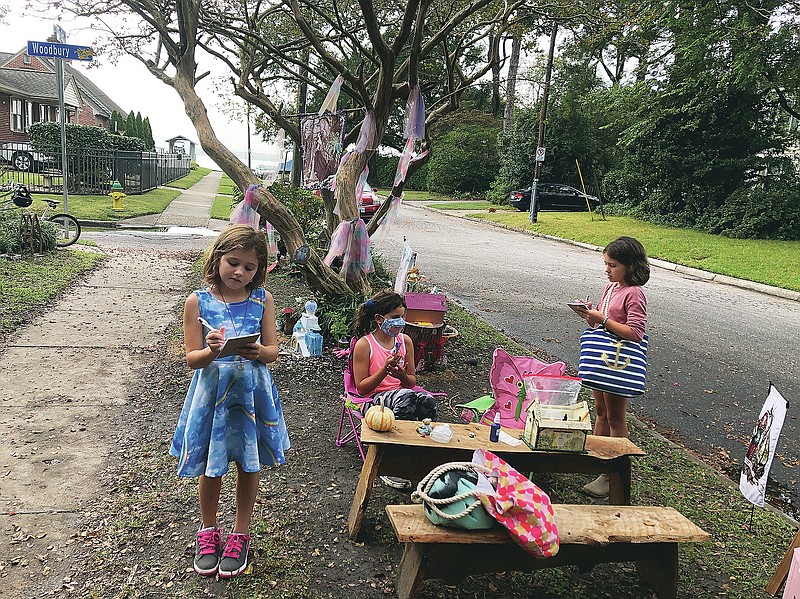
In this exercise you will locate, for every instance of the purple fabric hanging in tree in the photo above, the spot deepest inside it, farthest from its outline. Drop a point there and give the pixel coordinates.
(366, 136)
(350, 240)
(387, 220)
(415, 115)
(332, 98)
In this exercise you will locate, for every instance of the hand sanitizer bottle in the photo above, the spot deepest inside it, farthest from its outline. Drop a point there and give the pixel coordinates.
(494, 432)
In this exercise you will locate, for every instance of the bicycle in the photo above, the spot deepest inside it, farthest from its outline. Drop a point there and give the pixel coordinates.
(69, 229)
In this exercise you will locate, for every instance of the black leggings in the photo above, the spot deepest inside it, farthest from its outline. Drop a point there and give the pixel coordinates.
(407, 404)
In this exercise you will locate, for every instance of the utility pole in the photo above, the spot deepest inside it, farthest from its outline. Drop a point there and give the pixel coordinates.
(540, 151)
(302, 95)
(249, 151)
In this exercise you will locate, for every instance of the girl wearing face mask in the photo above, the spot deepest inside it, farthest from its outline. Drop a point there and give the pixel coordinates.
(383, 359)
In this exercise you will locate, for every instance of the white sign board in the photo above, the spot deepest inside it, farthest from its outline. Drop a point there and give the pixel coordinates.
(540, 152)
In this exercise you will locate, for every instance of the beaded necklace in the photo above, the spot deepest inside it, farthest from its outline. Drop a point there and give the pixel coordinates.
(240, 359)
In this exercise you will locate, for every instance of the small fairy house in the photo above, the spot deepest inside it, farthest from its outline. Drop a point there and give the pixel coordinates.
(556, 419)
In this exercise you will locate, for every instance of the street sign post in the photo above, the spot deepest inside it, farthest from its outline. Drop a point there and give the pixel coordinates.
(540, 152)
(60, 34)
(59, 51)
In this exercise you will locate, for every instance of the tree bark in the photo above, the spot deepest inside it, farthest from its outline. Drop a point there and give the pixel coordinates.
(319, 277)
(511, 83)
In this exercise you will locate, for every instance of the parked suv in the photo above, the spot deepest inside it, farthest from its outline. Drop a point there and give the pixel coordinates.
(553, 196)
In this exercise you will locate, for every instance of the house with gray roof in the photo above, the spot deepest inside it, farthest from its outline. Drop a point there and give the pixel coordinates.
(28, 94)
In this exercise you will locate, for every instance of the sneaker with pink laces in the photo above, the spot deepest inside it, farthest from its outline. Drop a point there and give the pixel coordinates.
(234, 558)
(207, 550)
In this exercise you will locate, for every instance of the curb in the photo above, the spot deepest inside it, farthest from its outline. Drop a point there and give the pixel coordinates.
(703, 275)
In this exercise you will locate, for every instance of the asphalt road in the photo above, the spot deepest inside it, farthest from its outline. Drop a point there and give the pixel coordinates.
(713, 351)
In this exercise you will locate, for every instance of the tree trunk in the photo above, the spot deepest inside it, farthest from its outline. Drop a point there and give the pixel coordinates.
(319, 277)
(346, 180)
(397, 191)
(511, 83)
(329, 203)
(495, 84)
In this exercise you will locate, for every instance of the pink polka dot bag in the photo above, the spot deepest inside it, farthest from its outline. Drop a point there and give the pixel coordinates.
(518, 504)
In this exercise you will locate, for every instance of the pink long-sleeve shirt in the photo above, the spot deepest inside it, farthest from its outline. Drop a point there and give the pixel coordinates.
(628, 306)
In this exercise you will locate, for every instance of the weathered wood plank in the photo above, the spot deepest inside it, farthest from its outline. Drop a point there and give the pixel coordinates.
(369, 470)
(577, 525)
(405, 433)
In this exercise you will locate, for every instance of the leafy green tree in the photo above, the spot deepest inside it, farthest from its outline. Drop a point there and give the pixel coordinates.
(706, 129)
(147, 135)
(130, 125)
(116, 124)
(139, 125)
(465, 160)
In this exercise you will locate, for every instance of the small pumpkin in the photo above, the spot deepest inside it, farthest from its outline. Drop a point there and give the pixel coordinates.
(379, 418)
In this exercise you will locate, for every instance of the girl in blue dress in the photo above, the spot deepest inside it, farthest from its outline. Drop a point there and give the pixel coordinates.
(232, 412)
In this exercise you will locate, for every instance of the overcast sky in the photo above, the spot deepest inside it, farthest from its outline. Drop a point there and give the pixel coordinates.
(132, 87)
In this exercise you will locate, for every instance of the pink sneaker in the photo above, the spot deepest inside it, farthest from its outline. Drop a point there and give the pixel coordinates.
(207, 551)
(234, 558)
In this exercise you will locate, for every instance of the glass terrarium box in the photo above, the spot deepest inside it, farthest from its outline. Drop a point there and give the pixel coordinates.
(556, 420)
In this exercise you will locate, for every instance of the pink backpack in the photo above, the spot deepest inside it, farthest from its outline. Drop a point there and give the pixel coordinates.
(508, 386)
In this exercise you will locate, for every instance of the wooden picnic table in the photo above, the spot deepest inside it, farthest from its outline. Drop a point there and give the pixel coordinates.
(403, 452)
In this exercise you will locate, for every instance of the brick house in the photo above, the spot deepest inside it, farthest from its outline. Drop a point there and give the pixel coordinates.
(28, 94)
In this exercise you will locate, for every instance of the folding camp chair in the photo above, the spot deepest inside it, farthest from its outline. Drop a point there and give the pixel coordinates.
(352, 403)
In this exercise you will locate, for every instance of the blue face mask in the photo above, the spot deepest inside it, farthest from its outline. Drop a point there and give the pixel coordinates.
(393, 326)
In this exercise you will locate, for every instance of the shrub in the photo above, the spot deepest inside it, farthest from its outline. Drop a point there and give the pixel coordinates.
(464, 160)
(382, 170)
(10, 221)
(758, 213)
(304, 205)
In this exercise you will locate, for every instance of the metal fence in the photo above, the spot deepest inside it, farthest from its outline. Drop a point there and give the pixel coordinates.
(91, 171)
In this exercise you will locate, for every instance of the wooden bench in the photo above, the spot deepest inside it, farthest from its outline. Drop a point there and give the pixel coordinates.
(48, 175)
(403, 452)
(589, 534)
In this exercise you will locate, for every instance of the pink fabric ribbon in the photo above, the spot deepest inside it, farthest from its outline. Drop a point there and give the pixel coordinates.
(246, 211)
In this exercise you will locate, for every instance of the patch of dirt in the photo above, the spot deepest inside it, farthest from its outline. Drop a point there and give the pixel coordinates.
(137, 539)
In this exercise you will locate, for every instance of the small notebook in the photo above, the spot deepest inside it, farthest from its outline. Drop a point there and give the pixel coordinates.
(233, 343)
(578, 307)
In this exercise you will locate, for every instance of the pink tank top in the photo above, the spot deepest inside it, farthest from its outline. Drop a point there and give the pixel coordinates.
(377, 358)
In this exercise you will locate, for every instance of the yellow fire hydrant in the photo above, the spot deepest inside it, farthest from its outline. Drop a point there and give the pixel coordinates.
(116, 195)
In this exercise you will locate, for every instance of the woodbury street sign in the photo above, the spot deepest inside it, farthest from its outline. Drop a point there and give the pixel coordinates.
(63, 51)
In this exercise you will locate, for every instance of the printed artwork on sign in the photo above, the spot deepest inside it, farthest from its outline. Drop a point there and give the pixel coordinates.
(755, 461)
(761, 449)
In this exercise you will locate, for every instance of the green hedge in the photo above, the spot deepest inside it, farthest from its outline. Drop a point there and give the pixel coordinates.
(46, 136)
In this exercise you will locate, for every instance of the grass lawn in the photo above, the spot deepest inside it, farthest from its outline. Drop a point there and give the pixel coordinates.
(223, 204)
(30, 283)
(101, 207)
(410, 195)
(226, 186)
(193, 177)
(770, 262)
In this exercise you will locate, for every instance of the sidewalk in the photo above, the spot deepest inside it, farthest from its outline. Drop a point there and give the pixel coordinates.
(192, 208)
(63, 380)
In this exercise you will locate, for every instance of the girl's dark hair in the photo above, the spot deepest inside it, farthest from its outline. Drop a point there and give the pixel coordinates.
(628, 251)
(381, 303)
(236, 237)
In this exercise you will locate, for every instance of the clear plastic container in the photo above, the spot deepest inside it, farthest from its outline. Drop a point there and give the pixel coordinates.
(442, 433)
(552, 390)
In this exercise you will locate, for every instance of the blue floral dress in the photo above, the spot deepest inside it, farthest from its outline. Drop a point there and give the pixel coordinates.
(232, 412)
